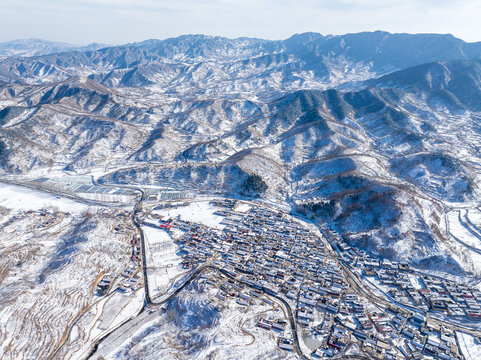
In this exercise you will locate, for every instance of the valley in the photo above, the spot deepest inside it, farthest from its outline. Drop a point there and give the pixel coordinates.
(204, 197)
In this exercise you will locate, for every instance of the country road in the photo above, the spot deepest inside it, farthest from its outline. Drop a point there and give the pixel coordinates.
(114, 338)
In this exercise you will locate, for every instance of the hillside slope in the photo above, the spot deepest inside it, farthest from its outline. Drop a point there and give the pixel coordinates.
(375, 135)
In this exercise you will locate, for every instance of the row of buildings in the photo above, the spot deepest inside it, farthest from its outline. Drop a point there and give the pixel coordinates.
(425, 292)
(270, 255)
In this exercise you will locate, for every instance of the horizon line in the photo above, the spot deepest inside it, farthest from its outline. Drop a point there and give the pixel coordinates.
(233, 38)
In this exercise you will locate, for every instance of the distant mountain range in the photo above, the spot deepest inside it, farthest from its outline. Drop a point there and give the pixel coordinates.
(375, 135)
(36, 47)
(326, 58)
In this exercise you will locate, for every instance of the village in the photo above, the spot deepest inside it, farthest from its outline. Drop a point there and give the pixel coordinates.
(266, 256)
(130, 279)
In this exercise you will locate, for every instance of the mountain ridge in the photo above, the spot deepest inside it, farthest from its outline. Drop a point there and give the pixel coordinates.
(37, 47)
(374, 145)
(373, 52)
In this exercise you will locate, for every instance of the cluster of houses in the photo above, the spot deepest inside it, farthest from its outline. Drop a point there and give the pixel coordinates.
(130, 279)
(452, 298)
(49, 219)
(425, 292)
(103, 285)
(270, 255)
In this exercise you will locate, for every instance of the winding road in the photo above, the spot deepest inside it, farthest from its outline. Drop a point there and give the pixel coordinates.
(151, 308)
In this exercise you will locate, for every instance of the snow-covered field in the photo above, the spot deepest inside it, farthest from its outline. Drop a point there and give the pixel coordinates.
(199, 212)
(462, 230)
(22, 198)
(194, 327)
(163, 263)
(203, 115)
(466, 239)
(109, 313)
(242, 207)
(474, 215)
(470, 347)
(50, 262)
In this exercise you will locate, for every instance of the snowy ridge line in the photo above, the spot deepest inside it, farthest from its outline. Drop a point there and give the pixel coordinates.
(277, 110)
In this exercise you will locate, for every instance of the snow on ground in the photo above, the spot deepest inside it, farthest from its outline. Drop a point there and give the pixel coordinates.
(470, 346)
(242, 207)
(79, 345)
(163, 263)
(120, 307)
(466, 244)
(474, 216)
(49, 265)
(460, 229)
(199, 212)
(193, 327)
(414, 281)
(110, 313)
(22, 198)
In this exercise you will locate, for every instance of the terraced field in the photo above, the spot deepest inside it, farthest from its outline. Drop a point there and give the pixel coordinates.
(50, 261)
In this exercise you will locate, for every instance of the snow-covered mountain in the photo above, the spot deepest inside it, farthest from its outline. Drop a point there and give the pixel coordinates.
(375, 135)
(36, 47)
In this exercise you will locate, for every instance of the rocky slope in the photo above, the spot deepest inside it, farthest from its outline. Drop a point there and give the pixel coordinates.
(374, 134)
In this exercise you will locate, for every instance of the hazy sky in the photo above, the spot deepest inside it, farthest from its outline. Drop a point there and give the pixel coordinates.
(121, 21)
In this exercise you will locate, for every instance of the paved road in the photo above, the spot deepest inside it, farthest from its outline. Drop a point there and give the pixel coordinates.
(359, 287)
(142, 248)
(113, 340)
(135, 221)
(120, 334)
(117, 336)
